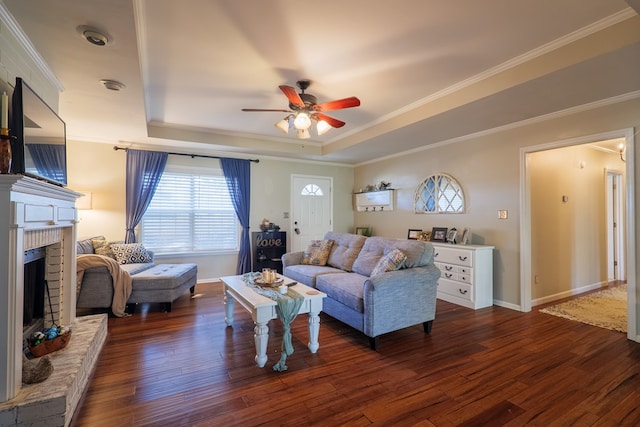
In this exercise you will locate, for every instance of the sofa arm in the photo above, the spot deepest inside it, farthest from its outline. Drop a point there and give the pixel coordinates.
(291, 258)
(399, 299)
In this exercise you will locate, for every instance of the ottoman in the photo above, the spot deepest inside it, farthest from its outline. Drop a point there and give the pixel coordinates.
(163, 283)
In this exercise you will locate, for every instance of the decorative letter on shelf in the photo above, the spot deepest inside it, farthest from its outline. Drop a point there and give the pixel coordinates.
(375, 201)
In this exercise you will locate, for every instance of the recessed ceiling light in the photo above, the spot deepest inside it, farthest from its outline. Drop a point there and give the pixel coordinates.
(93, 35)
(113, 84)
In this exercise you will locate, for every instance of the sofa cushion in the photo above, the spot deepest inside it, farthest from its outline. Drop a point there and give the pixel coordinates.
(307, 274)
(317, 253)
(136, 268)
(130, 253)
(418, 253)
(346, 288)
(391, 261)
(345, 249)
(85, 246)
(103, 247)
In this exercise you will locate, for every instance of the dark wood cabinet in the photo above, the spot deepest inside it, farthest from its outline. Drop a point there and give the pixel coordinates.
(268, 248)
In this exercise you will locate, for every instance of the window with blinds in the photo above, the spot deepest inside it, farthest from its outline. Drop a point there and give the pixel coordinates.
(190, 212)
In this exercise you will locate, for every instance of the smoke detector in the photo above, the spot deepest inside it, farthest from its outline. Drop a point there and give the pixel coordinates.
(93, 35)
(113, 84)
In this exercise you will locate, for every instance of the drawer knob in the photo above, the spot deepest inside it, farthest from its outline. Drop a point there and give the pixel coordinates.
(448, 275)
(462, 258)
(435, 254)
(463, 292)
(448, 267)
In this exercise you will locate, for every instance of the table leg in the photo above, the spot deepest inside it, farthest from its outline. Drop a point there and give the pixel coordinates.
(228, 308)
(314, 330)
(261, 339)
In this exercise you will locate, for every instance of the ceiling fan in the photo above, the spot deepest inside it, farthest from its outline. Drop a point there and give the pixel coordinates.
(305, 110)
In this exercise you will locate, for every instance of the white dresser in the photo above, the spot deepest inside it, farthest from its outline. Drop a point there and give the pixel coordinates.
(466, 274)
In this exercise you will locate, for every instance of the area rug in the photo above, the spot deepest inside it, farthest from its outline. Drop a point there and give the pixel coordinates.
(606, 309)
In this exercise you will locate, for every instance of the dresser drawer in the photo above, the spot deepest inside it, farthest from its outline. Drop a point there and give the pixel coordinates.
(446, 255)
(455, 289)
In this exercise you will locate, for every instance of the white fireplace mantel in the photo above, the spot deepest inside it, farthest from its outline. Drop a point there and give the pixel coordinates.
(28, 205)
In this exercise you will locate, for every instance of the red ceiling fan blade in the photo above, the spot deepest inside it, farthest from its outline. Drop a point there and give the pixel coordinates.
(292, 95)
(338, 104)
(261, 109)
(335, 123)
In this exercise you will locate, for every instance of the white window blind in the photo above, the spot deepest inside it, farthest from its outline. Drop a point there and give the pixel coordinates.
(190, 212)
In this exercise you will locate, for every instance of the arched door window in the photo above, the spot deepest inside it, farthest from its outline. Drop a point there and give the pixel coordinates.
(439, 193)
(311, 190)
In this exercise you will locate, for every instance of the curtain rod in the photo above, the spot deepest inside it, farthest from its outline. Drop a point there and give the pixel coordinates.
(115, 147)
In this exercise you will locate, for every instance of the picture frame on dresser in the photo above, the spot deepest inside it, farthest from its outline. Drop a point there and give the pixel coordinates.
(466, 236)
(439, 234)
(413, 234)
(451, 235)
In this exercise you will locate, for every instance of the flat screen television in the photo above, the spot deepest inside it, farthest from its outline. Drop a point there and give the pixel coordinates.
(38, 137)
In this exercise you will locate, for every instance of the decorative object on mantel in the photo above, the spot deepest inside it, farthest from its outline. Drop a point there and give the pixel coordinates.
(5, 141)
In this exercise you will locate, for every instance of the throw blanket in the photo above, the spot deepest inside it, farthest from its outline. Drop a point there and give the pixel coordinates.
(122, 282)
(287, 309)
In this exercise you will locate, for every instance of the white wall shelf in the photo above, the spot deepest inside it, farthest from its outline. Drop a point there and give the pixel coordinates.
(375, 201)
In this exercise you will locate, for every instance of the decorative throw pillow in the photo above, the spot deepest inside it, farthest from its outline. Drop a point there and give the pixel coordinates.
(103, 247)
(317, 253)
(391, 261)
(130, 253)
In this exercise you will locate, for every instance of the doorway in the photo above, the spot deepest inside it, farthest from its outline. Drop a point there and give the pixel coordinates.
(526, 270)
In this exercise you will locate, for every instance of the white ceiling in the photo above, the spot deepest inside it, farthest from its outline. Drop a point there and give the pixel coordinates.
(426, 71)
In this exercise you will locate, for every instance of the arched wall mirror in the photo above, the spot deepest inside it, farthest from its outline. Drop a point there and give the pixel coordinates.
(439, 193)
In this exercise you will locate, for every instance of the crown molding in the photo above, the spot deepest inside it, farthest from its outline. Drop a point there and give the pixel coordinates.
(16, 30)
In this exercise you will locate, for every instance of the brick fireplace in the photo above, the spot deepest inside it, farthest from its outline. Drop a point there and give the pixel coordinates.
(36, 214)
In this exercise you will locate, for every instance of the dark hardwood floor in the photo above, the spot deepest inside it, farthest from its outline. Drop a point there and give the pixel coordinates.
(488, 367)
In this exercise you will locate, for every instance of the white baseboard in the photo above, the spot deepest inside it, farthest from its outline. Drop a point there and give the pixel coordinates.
(569, 293)
(508, 305)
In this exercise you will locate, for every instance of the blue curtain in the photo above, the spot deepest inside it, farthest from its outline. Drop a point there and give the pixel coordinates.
(144, 170)
(237, 173)
(50, 160)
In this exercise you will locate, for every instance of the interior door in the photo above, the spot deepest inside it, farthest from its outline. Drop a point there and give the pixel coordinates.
(615, 226)
(312, 209)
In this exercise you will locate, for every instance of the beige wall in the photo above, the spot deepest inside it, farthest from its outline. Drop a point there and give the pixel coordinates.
(569, 239)
(488, 169)
(101, 170)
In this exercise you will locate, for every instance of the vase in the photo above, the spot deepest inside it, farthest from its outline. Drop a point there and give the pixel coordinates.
(5, 154)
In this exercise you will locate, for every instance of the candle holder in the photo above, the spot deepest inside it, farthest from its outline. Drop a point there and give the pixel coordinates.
(5, 151)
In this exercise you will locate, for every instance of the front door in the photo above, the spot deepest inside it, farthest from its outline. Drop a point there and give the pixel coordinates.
(311, 208)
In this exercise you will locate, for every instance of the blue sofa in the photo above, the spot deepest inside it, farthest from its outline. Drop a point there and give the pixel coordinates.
(377, 304)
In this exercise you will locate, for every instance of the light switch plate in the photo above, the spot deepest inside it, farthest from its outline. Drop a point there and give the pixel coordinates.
(503, 214)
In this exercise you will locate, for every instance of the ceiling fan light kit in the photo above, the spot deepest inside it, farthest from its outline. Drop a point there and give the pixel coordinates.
(303, 133)
(322, 127)
(305, 110)
(302, 121)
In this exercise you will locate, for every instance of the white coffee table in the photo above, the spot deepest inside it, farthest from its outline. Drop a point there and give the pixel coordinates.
(263, 309)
